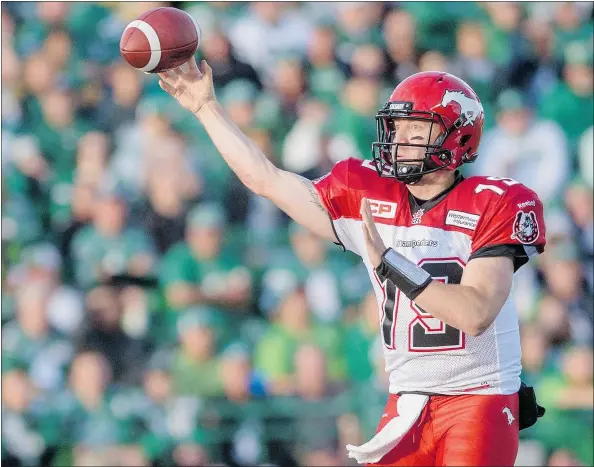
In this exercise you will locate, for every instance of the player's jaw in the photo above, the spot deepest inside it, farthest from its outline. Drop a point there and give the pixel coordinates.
(410, 156)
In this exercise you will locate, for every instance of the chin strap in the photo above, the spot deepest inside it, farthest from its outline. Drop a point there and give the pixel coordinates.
(409, 173)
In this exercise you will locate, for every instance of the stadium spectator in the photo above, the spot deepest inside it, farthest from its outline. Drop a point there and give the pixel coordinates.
(316, 425)
(205, 271)
(575, 93)
(225, 66)
(108, 247)
(524, 148)
(274, 30)
(325, 71)
(103, 332)
(30, 341)
(194, 368)
(399, 37)
(274, 352)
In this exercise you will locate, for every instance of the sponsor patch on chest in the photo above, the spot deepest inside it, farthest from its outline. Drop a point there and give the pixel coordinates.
(462, 219)
(383, 209)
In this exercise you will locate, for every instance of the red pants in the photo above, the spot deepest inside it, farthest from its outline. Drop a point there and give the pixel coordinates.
(467, 430)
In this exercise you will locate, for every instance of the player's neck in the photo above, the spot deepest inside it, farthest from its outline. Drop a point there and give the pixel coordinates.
(432, 185)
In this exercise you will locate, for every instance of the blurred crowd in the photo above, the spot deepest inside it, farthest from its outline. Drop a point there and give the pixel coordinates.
(155, 312)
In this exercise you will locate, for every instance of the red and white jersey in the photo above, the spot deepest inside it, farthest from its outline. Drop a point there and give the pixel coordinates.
(480, 216)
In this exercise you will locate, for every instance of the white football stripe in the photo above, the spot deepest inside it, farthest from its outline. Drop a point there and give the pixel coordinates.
(154, 43)
(198, 32)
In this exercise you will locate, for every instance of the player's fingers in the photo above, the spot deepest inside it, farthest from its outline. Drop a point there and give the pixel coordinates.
(366, 235)
(195, 69)
(362, 209)
(366, 214)
(192, 63)
(167, 88)
(166, 78)
(370, 221)
(374, 237)
(182, 69)
(169, 76)
(368, 210)
(205, 68)
(367, 232)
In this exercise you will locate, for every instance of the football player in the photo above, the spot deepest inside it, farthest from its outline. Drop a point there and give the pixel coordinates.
(441, 251)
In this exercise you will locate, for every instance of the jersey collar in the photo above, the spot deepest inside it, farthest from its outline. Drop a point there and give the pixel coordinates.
(416, 204)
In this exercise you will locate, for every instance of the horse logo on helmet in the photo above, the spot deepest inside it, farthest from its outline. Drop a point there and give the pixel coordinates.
(470, 108)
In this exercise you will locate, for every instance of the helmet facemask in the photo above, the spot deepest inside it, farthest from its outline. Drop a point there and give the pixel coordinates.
(385, 151)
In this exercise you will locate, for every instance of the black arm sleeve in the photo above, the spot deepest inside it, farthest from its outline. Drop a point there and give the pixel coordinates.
(515, 252)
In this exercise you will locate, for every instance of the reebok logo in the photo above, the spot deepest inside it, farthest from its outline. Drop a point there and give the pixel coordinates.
(526, 203)
(462, 219)
(382, 209)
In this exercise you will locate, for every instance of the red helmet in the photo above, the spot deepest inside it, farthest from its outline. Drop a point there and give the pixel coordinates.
(450, 105)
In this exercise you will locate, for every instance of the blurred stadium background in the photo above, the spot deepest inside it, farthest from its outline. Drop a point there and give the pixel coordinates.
(154, 312)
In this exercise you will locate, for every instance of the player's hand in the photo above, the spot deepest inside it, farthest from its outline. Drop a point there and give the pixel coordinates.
(373, 241)
(190, 85)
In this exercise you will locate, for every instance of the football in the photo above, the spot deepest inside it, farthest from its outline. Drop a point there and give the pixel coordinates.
(160, 39)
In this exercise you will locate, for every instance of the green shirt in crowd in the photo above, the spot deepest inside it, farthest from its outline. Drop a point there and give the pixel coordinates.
(96, 256)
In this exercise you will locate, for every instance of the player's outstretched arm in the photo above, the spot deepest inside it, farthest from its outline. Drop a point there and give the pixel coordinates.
(193, 88)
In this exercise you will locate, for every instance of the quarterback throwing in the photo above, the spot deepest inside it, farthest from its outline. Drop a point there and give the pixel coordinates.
(441, 251)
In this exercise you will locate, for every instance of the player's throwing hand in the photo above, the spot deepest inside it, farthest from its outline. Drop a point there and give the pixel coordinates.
(373, 241)
(190, 85)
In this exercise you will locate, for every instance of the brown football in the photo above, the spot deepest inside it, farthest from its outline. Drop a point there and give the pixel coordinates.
(160, 39)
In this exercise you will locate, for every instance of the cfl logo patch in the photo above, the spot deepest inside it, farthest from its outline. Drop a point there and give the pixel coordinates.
(383, 209)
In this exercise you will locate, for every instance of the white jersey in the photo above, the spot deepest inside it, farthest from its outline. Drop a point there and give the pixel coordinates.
(479, 216)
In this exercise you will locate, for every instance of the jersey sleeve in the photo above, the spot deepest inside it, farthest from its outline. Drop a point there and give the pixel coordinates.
(512, 226)
(333, 189)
